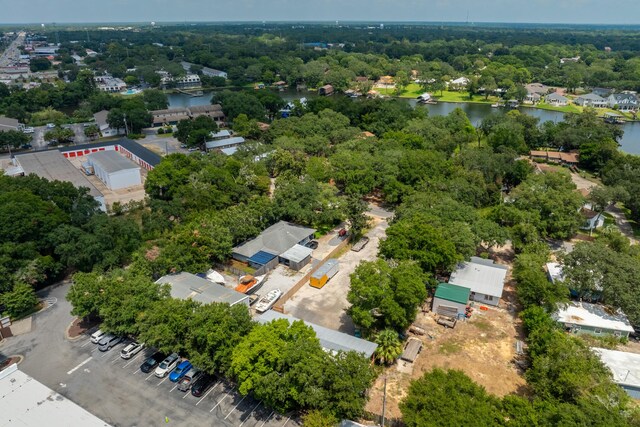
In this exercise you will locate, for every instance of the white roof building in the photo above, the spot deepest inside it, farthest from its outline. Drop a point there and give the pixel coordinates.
(555, 272)
(24, 401)
(625, 368)
(594, 319)
(483, 277)
(115, 170)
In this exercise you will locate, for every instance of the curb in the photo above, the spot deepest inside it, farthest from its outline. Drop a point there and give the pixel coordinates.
(69, 337)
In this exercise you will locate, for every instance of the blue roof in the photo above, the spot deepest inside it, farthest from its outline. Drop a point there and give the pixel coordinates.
(262, 257)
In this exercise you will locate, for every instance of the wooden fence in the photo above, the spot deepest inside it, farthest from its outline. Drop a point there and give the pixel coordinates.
(291, 292)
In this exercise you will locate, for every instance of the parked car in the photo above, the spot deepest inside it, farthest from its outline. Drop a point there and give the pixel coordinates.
(50, 125)
(360, 244)
(108, 342)
(28, 130)
(202, 384)
(26, 146)
(313, 244)
(187, 381)
(97, 336)
(342, 232)
(152, 362)
(180, 371)
(131, 350)
(167, 365)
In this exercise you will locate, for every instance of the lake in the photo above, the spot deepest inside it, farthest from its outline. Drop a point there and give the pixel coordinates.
(630, 142)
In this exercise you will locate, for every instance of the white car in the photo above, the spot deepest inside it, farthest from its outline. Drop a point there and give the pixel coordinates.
(131, 350)
(167, 365)
(28, 130)
(97, 336)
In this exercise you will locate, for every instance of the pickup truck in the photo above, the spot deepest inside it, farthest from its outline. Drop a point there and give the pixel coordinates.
(186, 381)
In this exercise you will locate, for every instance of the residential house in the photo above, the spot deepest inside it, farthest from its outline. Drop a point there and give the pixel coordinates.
(330, 340)
(570, 159)
(602, 91)
(189, 286)
(458, 84)
(206, 71)
(211, 110)
(108, 83)
(566, 60)
(592, 219)
(326, 90)
(169, 116)
(591, 100)
(625, 368)
(101, 121)
(483, 277)
(227, 145)
(623, 101)
(592, 319)
(554, 157)
(554, 271)
(265, 249)
(535, 92)
(450, 300)
(556, 100)
(189, 81)
(538, 155)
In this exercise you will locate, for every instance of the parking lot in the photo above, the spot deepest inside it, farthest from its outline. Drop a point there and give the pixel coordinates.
(156, 400)
(115, 389)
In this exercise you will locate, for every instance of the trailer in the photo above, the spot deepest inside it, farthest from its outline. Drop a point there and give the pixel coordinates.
(322, 275)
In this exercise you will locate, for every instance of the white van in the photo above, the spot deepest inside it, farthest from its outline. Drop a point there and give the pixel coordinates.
(96, 336)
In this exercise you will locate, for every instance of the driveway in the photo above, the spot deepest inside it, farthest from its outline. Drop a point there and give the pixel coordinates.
(327, 306)
(622, 222)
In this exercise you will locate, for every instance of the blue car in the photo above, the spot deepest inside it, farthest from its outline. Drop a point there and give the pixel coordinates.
(180, 371)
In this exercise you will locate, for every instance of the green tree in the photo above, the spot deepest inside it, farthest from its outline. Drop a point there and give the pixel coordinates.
(59, 135)
(166, 324)
(92, 132)
(389, 347)
(21, 299)
(155, 99)
(13, 139)
(449, 398)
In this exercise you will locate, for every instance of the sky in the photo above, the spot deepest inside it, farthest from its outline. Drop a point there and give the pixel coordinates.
(529, 11)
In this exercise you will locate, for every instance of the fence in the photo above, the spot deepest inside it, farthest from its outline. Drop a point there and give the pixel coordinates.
(291, 292)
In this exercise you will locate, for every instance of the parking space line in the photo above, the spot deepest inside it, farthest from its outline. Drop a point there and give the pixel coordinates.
(186, 393)
(174, 387)
(150, 375)
(116, 359)
(285, 423)
(88, 342)
(165, 378)
(210, 390)
(254, 408)
(131, 361)
(268, 418)
(80, 365)
(234, 408)
(225, 395)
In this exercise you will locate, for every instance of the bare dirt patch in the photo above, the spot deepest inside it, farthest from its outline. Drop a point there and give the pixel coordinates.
(80, 326)
(483, 347)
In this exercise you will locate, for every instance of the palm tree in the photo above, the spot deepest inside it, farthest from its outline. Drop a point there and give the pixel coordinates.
(389, 346)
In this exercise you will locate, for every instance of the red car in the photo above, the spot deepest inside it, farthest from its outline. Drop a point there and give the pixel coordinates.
(342, 232)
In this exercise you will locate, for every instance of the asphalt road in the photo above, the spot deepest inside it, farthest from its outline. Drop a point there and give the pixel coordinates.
(11, 54)
(115, 389)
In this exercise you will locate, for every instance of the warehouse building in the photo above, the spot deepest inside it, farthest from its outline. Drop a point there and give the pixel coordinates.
(189, 286)
(27, 402)
(54, 167)
(330, 340)
(114, 170)
(127, 147)
(625, 368)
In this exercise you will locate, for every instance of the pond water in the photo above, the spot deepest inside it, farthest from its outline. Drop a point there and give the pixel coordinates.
(630, 142)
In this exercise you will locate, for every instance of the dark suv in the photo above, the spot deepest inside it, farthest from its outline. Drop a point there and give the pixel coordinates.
(152, 362)
(202, 384)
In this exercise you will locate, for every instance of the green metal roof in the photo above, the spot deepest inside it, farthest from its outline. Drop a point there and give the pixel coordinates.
(451, 292)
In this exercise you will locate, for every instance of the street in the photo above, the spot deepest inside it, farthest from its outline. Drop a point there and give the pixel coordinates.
(11, 54)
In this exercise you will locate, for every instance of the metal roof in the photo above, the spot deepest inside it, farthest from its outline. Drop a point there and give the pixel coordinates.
(28, 402)
(7, 123)
(236, 140)
(186, 285)
(324, 268)
(624, 366)
(481, 276)
(592, 315)
(111, 161)
(262, 257)
(555, 272)
(141, 152)
(53, 166)
(330, 340)
(297, 253)
(411, 350)
(451, 292)
(276, 239)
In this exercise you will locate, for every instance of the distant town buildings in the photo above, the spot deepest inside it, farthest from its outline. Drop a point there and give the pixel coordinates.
(108, 83)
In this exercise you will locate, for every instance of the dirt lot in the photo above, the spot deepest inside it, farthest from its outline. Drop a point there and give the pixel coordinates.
(327, 306)
(483, 347)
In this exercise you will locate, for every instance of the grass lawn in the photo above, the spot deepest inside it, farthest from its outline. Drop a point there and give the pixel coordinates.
(566, 109)
(451, 96)
(164, 135)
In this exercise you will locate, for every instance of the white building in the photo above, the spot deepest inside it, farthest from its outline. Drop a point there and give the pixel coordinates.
(101, 121)
(625, 368)
(24, 401)
(483, 277)
(554, 271)
(592, 319)
(114, 170)
(108, 83)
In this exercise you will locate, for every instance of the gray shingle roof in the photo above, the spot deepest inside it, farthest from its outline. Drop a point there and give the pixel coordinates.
(186, 285)
(276, 239)
(330, 340)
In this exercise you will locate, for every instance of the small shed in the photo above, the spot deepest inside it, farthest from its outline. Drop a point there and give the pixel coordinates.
(450, 300)
(296, 257)
(322, 275)
(326, 90)
(115, 170)
(411, 350)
